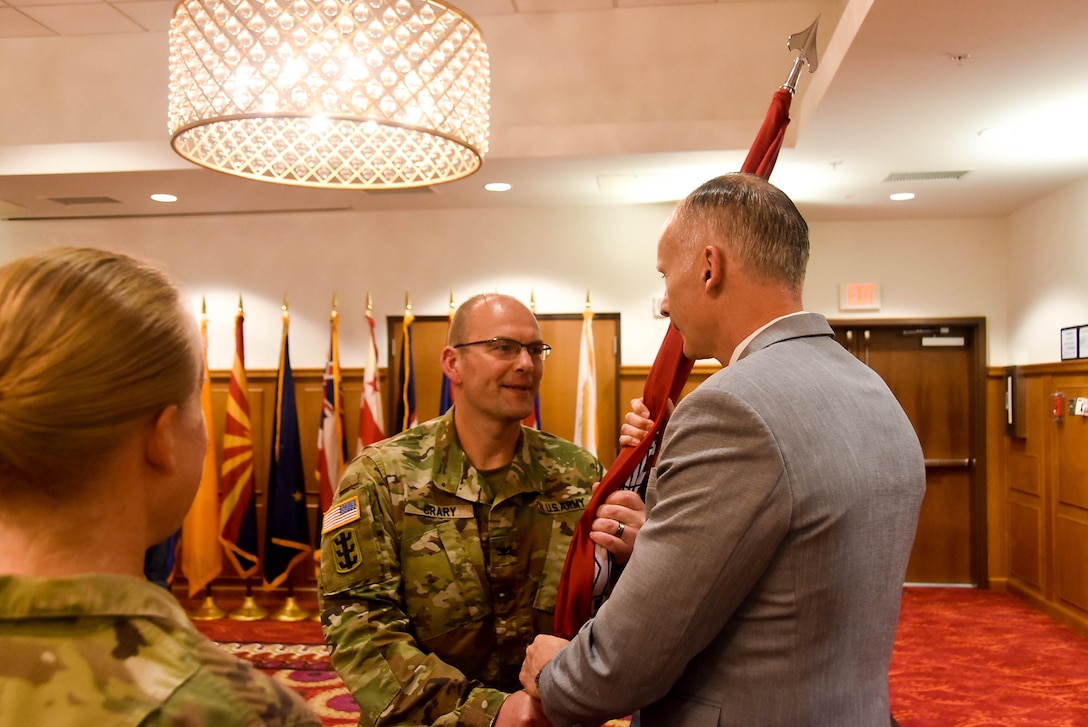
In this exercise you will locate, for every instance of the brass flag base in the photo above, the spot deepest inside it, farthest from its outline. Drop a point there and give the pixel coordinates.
(290, 611)
(250, 610)
(207, 611)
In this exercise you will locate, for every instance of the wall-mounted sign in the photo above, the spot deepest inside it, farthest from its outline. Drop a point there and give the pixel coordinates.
(859, 296)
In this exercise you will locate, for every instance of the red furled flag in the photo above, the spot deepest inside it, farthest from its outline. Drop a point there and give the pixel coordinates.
(238, 509)
(587, 569)
(371, 418)
(331, 444)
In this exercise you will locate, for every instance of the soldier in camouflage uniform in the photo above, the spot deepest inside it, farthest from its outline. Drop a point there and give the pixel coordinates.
(105, 649)
(443, 550)
(102, 443)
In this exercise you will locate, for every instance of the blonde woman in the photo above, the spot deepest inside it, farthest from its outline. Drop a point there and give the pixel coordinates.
(102, 441)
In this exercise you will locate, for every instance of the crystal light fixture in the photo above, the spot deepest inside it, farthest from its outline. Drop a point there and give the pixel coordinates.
(351, 94)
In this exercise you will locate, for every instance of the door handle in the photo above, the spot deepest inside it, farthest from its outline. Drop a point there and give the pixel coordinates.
(965, 462)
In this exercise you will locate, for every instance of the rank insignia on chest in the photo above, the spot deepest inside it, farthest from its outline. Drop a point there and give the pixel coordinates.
(342, 514)
(346, 553)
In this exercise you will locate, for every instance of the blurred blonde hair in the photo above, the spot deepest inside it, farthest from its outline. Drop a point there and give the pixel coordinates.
(92, 345)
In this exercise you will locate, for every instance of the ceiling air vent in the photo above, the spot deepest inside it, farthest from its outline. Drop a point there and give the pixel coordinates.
(924, 176)
(68, 201)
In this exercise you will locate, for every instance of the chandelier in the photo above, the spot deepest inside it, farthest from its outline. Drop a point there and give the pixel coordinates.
(351, 94)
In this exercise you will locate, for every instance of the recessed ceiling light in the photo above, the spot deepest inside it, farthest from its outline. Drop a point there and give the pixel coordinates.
(901, 196)
(164, 198)
(497, 187)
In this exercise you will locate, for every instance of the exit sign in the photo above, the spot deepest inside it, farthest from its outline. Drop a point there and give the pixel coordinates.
(859, 296)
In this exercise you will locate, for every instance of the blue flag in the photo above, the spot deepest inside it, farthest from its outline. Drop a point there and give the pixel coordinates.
(287, 532)
(405, 412)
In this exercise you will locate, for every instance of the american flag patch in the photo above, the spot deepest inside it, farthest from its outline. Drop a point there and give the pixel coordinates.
(342, 514)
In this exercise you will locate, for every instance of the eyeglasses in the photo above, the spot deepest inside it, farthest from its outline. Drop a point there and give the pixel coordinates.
(509, 349)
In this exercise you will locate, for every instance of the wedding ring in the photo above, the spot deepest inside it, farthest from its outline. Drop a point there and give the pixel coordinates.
(619, 529)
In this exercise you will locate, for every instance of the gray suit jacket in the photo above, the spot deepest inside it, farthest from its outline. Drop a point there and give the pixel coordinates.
(765, 586)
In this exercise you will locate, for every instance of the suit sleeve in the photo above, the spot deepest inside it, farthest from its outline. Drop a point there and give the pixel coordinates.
(722, 509)
(392, 679)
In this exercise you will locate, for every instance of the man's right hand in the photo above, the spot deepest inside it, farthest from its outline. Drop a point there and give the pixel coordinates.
(521, 710)
(636, 424)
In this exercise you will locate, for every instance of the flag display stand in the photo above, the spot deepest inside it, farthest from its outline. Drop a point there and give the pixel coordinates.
(208, 610)
(290, 611)
(250, 610)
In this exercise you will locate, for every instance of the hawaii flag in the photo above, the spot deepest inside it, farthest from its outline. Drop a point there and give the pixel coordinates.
(201, 554)
(238, 509)
(287, 534)
(371, 418)
(585, 411)
(331, 444)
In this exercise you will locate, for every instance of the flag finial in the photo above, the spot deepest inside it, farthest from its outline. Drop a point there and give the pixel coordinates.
(532, 301)
(333, 315)
(588, 302)
(452, 306)
(239, 302)
(805, 45)
(369, 302)
(203, 306)
(407, 301)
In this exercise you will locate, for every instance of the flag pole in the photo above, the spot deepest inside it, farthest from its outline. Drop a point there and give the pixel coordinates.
(805, 45)
(580, 589)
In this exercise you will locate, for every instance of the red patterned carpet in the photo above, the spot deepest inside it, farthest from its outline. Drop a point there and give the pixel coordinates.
(963, 658)
(969, 658)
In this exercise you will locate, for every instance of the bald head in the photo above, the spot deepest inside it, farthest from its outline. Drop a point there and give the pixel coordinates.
(475, 314)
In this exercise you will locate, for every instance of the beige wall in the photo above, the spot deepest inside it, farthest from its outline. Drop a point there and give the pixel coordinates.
(1022, 273)
(1047, 273)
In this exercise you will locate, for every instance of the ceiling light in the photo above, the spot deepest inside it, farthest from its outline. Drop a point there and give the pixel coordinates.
(325, 93)
(164, 198)
(901, 196)
(497, 187)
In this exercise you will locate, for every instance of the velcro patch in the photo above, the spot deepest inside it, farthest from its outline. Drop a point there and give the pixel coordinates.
(448, 512)
(555, 507)
(342, 514)
(346, 553)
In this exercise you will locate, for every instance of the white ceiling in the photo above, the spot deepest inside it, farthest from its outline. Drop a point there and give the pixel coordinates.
(598, 102)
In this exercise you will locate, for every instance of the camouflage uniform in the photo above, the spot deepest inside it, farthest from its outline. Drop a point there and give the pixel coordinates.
(109, 650)
(432, 585)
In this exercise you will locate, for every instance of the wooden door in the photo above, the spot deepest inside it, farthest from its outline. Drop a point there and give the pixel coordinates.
(936, 371)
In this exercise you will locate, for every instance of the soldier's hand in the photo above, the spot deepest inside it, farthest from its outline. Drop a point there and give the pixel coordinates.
(539, 653)
(618, 520)
(521, 710)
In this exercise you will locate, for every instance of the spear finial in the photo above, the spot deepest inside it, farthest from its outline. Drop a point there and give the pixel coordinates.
(369, 302)
(805, 45)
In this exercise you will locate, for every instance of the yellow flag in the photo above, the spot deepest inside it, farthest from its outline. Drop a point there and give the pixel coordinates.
(201, 553)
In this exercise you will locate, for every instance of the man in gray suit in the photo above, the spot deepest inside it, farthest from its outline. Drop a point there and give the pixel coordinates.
(766, 583)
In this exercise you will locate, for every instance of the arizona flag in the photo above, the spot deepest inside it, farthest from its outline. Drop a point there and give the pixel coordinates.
(371, 418)
(331, 444)
(287, 536)
(201, 554)
(585, 411)
(586, 571)
(405, 412)
(238, 509)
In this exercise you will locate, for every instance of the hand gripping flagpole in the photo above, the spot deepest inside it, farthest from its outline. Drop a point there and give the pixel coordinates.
(587, 570)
